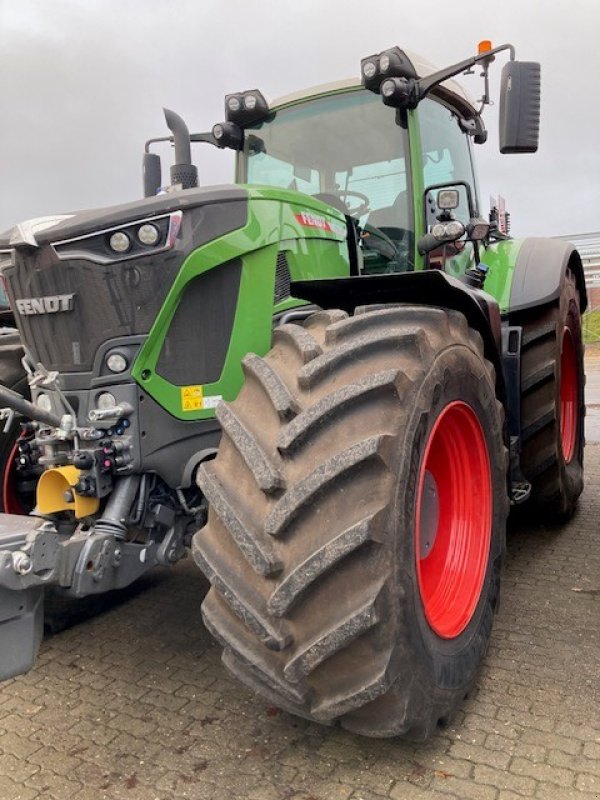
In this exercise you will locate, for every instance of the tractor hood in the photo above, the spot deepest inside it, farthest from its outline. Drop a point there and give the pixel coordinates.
(43, 230)
(71, 291)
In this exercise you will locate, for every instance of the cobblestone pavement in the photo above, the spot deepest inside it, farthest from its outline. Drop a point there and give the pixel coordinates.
(132, 701)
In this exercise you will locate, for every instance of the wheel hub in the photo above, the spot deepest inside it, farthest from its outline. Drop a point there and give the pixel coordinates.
(453, 520)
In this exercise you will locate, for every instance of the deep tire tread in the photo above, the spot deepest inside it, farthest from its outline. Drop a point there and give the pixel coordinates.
(342, 394)
(259, 553)
(266, 473)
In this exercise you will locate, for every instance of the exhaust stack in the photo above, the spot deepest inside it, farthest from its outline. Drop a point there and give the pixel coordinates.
(183, 171)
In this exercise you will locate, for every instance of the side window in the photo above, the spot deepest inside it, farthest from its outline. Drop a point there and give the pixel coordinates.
(446, 159)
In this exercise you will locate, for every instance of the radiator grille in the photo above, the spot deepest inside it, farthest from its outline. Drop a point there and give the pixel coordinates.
(196, 343)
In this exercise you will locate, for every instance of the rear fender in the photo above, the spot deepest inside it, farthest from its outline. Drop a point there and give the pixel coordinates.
(539, 273)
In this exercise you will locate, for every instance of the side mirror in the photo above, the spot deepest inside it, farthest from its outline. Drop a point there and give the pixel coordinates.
(151, 174)
(520, 107)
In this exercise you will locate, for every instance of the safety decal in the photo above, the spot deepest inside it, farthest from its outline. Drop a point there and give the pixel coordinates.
(191, 398)
(194, 399)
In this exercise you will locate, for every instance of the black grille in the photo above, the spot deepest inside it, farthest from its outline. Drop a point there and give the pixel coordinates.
(109, 300)
(282, 278)
(196, 343)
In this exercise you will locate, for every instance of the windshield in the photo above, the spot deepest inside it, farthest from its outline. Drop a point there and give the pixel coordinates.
(346, 149)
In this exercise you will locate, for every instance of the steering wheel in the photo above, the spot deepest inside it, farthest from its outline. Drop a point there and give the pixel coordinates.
(360, 209)
(337, 200)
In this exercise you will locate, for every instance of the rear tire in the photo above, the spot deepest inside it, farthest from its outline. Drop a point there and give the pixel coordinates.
(552, 404)
(322, 593)
(13, 376)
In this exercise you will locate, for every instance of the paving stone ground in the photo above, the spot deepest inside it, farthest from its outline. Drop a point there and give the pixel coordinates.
(132, 701)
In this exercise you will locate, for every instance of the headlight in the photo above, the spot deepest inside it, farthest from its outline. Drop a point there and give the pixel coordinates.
(233, 104)
(136, 239)
(119, 242)
(148, 234)
(384, 63)
(106, 400)
(249, 102)
(116, 362)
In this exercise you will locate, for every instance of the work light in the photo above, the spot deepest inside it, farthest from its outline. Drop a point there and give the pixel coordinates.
(228, 134)
(448, 199)
(245, 108)
(396, 92)
(392, 63)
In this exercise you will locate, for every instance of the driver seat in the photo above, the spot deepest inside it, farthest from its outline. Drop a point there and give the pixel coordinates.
(392, 220)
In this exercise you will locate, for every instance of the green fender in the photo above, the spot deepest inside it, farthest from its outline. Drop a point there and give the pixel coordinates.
(525, 273)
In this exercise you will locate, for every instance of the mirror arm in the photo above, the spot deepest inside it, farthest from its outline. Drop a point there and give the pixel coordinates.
(425, 85)
(194, 137)
(157, 139)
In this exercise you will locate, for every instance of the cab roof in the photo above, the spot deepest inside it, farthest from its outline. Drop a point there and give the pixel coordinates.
(450, 88)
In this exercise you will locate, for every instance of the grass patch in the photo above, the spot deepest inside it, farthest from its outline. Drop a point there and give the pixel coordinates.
(591, 327)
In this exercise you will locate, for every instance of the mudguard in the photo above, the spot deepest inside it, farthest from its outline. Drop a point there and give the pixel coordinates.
(430, 287)
(540, 270)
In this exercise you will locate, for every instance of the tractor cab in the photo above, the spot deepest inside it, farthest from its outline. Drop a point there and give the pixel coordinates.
(346, 149)
(340, 144)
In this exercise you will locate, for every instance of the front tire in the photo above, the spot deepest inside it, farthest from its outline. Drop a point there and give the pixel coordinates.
(357, 519)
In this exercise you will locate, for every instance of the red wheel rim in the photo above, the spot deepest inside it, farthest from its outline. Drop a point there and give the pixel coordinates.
(10, 499)
(569, 396)
(453, 520)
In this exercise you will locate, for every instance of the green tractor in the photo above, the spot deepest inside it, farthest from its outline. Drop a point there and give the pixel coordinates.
(330, 381)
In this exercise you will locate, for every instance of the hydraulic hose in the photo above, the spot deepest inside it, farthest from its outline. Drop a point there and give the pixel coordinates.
(11, 399)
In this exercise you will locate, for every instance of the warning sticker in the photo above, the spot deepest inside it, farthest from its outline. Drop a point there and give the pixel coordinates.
(194, 399)
(191, 398)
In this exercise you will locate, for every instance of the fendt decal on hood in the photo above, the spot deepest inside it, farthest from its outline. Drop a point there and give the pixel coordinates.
(309, 220)
(52, 304)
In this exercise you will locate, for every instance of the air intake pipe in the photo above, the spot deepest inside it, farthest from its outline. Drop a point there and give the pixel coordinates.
(183, 171)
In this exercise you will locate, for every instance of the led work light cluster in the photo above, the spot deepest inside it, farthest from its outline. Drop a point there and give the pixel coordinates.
(140, 238)
(390, 74)
(241, 109)
(245, 108)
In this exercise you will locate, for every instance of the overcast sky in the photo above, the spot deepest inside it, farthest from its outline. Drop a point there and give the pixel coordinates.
(82, 84)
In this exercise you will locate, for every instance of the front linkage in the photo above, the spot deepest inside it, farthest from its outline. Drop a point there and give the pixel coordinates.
(143, 524)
